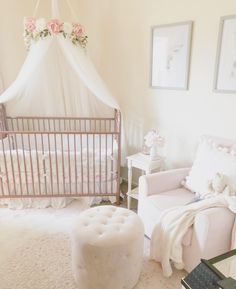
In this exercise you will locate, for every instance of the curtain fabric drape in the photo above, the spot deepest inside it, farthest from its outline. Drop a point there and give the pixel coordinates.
(58, 78)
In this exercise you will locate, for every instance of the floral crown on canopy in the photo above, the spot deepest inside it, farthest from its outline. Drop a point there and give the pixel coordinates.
(35, 29)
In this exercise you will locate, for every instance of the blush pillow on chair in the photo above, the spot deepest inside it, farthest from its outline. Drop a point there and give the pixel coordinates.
(211, 160)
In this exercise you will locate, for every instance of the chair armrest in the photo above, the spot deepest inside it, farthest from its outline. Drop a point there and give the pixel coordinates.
(208, 232)
(211, 236)
(162, 181)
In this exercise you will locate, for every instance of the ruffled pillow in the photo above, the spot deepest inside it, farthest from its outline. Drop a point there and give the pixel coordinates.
(210, 160)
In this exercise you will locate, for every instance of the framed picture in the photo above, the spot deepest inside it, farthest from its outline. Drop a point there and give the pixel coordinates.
(171, 45)
(225, 72)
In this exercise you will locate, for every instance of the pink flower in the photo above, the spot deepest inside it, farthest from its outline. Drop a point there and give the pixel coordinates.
(78, 29)
(54, 26)
(30, 24)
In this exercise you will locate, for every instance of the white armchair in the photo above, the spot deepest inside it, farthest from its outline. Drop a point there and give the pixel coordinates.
(211, 233)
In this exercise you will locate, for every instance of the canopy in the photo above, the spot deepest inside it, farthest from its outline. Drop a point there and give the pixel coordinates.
(58, 78)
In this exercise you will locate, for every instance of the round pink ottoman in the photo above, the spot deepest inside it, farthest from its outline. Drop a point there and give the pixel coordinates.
(107, 248)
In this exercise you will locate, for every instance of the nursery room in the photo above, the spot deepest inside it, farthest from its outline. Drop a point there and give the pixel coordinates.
(117, 144)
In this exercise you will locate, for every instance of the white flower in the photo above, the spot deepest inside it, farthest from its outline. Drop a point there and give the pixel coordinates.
(67, 27)
(41, 24)
(153, 138)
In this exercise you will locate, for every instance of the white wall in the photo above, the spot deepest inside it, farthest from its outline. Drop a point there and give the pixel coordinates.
(182, 116)
(119, 43)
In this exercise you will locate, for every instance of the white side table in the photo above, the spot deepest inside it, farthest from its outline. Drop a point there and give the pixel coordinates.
(144, 163)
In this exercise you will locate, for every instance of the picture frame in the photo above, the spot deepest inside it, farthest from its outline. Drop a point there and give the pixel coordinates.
(225, 68)
(170, 55)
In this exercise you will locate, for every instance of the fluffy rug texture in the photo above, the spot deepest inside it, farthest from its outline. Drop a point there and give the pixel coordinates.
(35, 252)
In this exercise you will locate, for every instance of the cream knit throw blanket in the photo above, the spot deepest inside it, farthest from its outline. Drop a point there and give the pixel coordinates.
(166, 240)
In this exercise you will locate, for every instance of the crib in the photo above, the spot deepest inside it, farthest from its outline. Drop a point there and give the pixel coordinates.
(59, 156)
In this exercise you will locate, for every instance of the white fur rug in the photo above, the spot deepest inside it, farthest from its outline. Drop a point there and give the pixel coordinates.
(35, 252)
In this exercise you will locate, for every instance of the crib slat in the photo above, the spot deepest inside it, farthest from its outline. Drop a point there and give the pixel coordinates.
(94, 165)
(56, 158)
(63, 165)
(50, 161)
(31, 164)
(44, 159)
(12, 165)
(112, 163)
(6, 169)
(100, 164)
(81, 164)
(24, 161)
(18, 160)
(38, 168)
(69, 168)
(88, 179)
(75, 162)
(106, 166)
(37, 157)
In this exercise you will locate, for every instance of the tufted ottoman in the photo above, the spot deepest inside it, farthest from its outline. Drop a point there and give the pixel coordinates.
(107, 248)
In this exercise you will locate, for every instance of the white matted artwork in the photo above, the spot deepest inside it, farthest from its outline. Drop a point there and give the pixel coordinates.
(225, 73)
(171, 46)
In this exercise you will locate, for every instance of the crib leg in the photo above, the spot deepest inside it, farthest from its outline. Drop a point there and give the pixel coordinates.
(118, 198)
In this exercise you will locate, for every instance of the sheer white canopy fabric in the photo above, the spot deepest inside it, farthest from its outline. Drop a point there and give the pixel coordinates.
(58, 78)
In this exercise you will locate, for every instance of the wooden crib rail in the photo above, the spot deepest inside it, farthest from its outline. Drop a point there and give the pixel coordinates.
(60, 124)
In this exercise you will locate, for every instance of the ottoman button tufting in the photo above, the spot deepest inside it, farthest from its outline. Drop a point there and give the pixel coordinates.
(111, 255)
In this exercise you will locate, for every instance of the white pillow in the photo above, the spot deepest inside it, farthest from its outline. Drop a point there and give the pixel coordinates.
(210, 160)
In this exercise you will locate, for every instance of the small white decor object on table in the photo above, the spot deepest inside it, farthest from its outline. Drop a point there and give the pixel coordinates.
(152, 141)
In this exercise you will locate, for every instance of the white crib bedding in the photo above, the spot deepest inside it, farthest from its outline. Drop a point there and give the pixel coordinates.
(58, 171)
(5, 143)
(63, 141)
